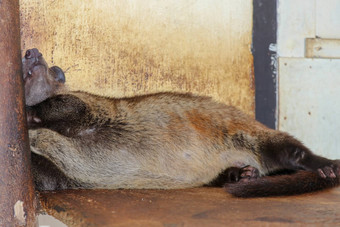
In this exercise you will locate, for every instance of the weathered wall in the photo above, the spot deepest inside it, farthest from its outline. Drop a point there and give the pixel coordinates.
(309, 69)
(119, 48)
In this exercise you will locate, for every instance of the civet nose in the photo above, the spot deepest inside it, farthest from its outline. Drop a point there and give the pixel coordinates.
(28, 54)
(32, 53)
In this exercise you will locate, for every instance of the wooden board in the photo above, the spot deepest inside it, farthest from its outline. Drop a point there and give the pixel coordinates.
(323, 48)
(120, 48)
(190, 207)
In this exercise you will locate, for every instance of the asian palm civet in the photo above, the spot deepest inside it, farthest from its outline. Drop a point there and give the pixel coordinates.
(159, 141)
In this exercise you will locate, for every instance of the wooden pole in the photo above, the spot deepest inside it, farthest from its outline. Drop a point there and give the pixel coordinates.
(17, 197)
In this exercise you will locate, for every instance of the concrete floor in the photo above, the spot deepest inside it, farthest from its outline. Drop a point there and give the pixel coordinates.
(189, 207)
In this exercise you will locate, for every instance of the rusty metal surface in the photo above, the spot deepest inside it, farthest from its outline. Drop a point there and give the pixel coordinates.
(189, 207)
(17, 198)
(123, 48)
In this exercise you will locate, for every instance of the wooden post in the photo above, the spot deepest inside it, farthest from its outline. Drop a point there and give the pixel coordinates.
(17, 197)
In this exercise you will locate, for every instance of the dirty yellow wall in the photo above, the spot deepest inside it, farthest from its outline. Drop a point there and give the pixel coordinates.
(127, 47)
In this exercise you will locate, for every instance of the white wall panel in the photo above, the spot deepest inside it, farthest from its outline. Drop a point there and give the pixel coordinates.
(328, 18)
(309, 98)
(296, 21)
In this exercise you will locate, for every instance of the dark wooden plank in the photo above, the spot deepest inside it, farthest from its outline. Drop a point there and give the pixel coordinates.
(17, 197)
(189, 207)
(264, 35)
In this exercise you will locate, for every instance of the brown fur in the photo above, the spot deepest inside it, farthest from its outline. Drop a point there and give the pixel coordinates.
(303, 182)
(163, 140)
